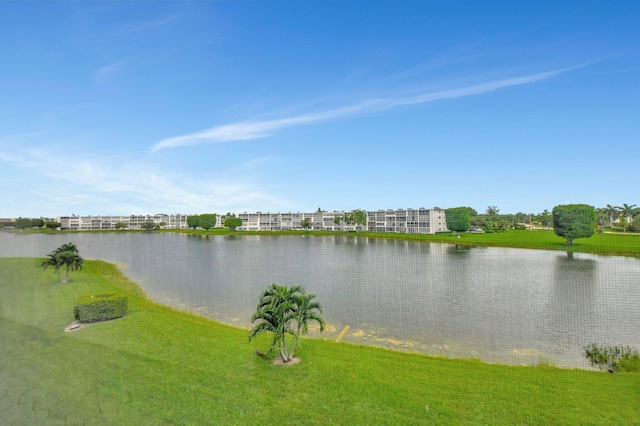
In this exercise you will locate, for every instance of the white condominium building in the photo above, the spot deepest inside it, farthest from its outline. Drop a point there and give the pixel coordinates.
(409, 221)
(87, 223)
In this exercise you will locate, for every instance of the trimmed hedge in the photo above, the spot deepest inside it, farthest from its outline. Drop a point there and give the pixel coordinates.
(100, 306)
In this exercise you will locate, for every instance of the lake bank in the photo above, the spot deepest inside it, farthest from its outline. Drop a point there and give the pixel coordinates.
(500, 305)
(157, 365)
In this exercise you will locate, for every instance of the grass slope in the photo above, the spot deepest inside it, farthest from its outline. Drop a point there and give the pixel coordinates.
(159, 366)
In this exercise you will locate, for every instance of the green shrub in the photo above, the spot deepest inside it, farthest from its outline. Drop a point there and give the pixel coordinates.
(613, 358)
(100, 306)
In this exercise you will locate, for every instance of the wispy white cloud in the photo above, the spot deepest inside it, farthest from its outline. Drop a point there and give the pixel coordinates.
(250, 130)
(107, 73)
(129, 186)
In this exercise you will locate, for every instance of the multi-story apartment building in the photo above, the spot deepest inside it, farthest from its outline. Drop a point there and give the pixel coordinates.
(410, 221)
(292, 221)
(86, 223)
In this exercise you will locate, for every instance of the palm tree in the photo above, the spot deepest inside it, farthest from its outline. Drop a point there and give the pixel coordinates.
(305, 313)
(54, 262)
(603, 217)
(66, 247)
(66, 255)
(626, 211)
(276, 309)
(72, 262)
(612, 211)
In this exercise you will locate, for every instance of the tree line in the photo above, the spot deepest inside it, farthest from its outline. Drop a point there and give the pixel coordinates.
(616, 218)
(570, 221)
(28, 223)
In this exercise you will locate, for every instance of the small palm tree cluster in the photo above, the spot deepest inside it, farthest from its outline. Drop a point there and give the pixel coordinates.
(285, 311)
(64, 256)
(627, 214)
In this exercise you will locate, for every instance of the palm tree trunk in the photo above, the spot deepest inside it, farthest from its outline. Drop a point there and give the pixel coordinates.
(283, 349)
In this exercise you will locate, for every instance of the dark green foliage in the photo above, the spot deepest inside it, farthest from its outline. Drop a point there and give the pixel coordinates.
(458, 219)
(193, 221)
(100, 306)
(23, 223)
(357, 217)
(64, 256)
(306, 223)
(121, 225)
(37, 223)
(279, 308)
(573, 221)
(232, 223)
(206, 221)
(613, 358)
(52, 224)
(149, 226)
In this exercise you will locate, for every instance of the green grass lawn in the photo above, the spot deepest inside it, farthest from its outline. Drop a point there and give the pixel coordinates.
(625, 244)
(159, 366)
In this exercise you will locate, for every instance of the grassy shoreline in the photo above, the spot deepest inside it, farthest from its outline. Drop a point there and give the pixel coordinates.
(160, 366)
(616, 244)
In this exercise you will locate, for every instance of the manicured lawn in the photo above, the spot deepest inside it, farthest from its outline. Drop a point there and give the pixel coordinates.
(159, 366)
(625, 244)
(618, 244)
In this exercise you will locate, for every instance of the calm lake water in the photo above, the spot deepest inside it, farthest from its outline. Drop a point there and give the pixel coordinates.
(510, 306)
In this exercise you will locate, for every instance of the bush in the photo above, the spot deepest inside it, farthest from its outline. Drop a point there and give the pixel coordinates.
(100, 306)
(613, 358)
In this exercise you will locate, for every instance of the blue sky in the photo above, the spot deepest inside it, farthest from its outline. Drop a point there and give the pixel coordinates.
(199, 106)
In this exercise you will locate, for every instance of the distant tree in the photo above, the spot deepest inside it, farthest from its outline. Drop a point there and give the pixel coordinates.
(545, 219)
(635, 225)
(162, 224)
(493, 211)
(232, 223)
(472, 211)
(348, 219)
(613, 212)
(207, 221)
(23, 223)
(626, 213)
(52, 224)
(149, 226)
(193, 221)
(306, 223)
(336, 220)
(121, 225)
(602, 218)
(573, 221)
(458, 219)
(521, 218)
(359, 217)
(37, 223)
